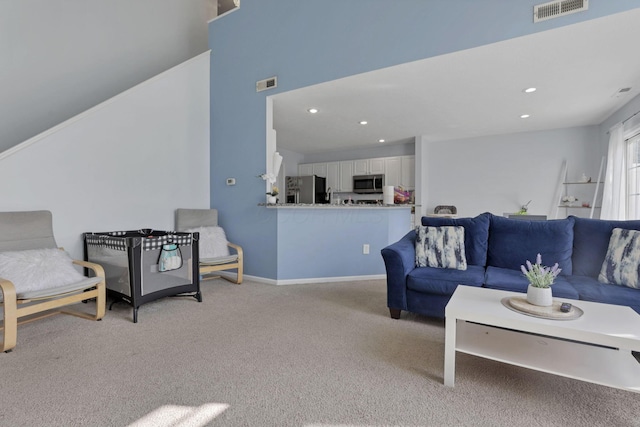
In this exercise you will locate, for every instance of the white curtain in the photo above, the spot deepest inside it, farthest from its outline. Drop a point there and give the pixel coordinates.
(614, 197)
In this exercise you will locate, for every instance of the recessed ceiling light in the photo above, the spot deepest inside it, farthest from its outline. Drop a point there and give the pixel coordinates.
(530, 90)
(525, 116)
(381, 140)
(313, 110)
(363, 122)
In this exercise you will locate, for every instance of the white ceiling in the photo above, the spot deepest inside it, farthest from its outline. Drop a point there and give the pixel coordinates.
(577, 70)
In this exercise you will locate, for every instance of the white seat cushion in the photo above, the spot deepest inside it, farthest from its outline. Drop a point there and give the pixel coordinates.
(86, 283)
(219, 260)
(212, 243)
(41, 272)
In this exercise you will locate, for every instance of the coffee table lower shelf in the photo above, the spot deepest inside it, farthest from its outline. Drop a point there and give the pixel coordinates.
(587, 362)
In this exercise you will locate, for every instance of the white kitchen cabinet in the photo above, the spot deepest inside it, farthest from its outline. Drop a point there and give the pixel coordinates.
(376, 166)
(361, 167)
(408, 175)
(393, 171)
(305, 169)
(333, 176)
(398, 171)
(346, 176)
(368, 166)
(320, 169)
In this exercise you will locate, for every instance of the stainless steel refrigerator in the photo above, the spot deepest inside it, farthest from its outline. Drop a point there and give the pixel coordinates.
(307, 189)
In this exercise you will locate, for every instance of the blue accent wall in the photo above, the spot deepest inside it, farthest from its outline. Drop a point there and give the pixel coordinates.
(327, 242)
(314, 41)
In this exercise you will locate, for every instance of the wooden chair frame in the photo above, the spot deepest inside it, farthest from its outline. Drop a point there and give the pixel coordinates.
(12, 311)
(192, 218)
(207, 269)
(27, 230)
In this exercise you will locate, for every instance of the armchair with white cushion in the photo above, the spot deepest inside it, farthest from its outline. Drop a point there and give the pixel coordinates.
(213, 245)
(37, 277)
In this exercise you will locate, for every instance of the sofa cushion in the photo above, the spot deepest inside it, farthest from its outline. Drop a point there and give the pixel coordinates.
(591, 241)
(440, 247)
(442, 281)
(590, 289)
(620, 266)
(511, 280)
(512, 242)
(476, 233)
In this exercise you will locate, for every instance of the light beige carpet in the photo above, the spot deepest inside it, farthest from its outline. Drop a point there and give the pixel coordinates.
(262, 355)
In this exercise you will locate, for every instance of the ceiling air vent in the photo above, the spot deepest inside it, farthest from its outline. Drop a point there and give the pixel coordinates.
(554, 9)
(265, 84)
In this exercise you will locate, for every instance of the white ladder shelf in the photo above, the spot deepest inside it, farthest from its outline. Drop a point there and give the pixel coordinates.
(564, 183)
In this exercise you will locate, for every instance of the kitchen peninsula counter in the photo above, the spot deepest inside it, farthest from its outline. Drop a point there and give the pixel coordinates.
(324, 242)
(330, 206)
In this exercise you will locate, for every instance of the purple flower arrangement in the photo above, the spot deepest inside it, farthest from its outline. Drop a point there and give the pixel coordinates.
(540, 276)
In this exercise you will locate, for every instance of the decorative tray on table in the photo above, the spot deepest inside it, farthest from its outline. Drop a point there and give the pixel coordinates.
(520, 305)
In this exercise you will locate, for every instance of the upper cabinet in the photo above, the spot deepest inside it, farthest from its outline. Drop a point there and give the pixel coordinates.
(408, 172)
(333, 176)
(305, 169)
(368, 166)
(319, 169)
(346, 176)
(393, 171)
(398, 171)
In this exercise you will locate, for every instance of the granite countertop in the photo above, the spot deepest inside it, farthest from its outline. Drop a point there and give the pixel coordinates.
(330, 206)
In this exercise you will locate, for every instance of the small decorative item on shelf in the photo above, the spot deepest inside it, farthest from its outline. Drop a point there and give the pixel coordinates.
(569, 200)
(585, 178)
(271, 196)
(523, 209)
(540, 280)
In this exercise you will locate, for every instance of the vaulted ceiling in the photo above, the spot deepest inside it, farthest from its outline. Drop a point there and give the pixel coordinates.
(578, 71)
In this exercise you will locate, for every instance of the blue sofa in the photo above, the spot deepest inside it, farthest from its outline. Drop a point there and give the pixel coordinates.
(495, 248)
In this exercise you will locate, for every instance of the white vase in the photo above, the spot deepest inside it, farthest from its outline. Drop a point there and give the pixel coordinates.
(271, 199)
(539, 296)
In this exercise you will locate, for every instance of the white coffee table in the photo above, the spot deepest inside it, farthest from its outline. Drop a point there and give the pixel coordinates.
(596, 347)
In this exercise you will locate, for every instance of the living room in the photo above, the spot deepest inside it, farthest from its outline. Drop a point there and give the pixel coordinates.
(303, 43)
(514, 179)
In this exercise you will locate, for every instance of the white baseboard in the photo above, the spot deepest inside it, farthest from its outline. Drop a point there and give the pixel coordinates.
(305, 281)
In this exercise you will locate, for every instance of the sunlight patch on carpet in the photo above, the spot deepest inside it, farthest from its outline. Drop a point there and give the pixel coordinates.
(181, 416)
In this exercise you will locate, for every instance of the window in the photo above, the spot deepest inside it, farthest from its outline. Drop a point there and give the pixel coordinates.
(633, 177)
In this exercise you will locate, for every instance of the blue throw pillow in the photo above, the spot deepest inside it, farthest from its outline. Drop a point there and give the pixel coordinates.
(620, 266)
(512, 242)
(440, 247)
(591, 242)
(476, 234)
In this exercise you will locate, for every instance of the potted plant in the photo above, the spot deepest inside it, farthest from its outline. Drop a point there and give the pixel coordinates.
(271, 196)
(540, 280)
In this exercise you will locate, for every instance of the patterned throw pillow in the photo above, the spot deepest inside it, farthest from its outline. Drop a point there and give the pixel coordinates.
(621, 264)
(440, 247)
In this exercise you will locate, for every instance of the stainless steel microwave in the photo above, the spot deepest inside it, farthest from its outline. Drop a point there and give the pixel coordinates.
(367, 184)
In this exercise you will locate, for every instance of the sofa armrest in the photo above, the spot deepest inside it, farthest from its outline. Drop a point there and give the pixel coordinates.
(400, 260)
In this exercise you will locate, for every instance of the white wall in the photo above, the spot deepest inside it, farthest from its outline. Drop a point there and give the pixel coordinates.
(500, 173)
(60, 58)
(125, 164)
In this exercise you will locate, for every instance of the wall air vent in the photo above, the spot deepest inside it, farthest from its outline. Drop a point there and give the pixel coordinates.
(265, 84)
(555, 9)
